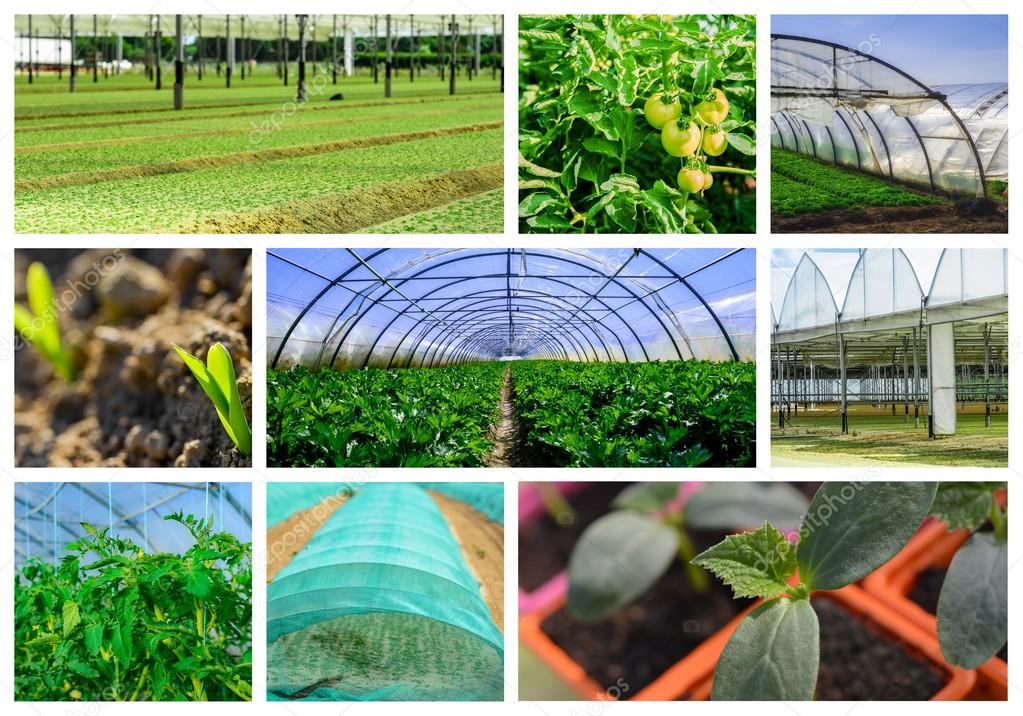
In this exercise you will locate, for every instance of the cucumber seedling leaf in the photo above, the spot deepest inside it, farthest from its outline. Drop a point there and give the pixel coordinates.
(753, 564)
(773, 655)
(852, 528)
(973, 608)
(731, 505)
(617, 558)
(964, 505)
(646, 497)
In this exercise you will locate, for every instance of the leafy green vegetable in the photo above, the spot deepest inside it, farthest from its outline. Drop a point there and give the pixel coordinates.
(973, 607)
(616, 559)
(726, 505)
(39, 324)
(964, 505)
(753, 564)
(773, 655)
(852, 528)
(114, 621)
(218, 381)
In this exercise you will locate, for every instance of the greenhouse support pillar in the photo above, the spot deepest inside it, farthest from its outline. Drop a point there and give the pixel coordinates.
(301, 94)
(30, 49)
(440, 51)
(842, 396)
(493, 51)
(941, 373)
(71, 59)
(199, 48)
(241, 44)
(905, 377)
(387, 57)
(453, 30)
(374, 61)
(479, 37)
(987, 376)
(120, 52)
(179, 64)
(157, 54)
(60, 53)
(411, 50)
(916, 378)
(777, 388)
(501, 46)
(333, 39)
(229, 49)
(287, 51)
(95, 49)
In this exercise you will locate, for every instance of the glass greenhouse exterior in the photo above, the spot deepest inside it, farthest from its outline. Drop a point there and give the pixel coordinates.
(849, 108)
(895, 341)
(353, 308)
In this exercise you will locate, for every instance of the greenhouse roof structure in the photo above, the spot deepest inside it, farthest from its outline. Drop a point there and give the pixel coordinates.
(260, 27)
(850, 108)
(47, 516)
(353, 308)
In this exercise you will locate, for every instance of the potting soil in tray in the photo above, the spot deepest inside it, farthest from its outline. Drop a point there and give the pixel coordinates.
(859, 662)
(635, 645)
(927, 590)
(545, 546)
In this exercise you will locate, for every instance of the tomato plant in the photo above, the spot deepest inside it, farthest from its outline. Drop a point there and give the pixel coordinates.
(112, 623)
(614, 108)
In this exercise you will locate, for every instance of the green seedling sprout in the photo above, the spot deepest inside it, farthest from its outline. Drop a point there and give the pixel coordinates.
(218, 381)
(849, 530)
(39, 325)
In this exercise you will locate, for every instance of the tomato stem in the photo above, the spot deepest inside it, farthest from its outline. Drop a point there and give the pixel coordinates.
(731, 170)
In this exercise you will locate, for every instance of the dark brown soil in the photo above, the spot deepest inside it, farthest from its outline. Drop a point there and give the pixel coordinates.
(641, 641)
(927, 590)
(507, 433)
(545, 546)
(859, 662)
(939, 219)
(134, 402)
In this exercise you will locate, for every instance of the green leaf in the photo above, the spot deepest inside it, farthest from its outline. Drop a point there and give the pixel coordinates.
(89, 529)
(71, 617)
(973, 607)
(121, 644)
(773, 655)
(628, 80)
(40, 300)
(197, 580)
(852, 528)
(753, 564)
(588, 107)
(660, 202)
(964, 505)
(80, 667)
(534, 203)
(646, 496)
(602, 146)
(742, 143)
(703, 76)
(616, 559)
(744, 505)
(93, 637)
(218, 381)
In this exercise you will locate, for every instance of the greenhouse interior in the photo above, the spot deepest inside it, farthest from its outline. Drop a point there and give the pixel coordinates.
(119, 584)
(385, 591)
(843, 106)
(932, 354)
(510, 357)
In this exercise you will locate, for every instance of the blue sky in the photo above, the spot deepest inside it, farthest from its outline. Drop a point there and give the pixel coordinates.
(936, 49)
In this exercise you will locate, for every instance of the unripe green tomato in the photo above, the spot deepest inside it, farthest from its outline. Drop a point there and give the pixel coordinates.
(658, 113)
(690, 180)
(714, 143)
(708, 180)
(714, 111)
(680, 142)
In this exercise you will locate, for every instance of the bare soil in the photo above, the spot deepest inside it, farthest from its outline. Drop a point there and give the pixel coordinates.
(482, 543)
(507, 433)
(134, 403)
(936, 219)
(286, 539)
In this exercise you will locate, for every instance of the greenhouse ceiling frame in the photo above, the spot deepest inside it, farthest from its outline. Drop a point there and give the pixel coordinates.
(836, 92)
(555, 327)
(891, 338)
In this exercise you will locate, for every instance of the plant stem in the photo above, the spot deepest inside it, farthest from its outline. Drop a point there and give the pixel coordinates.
(731, 170)
(697, 577)
(138, 686)
(998, 521)
(554, 503)
(665, 83)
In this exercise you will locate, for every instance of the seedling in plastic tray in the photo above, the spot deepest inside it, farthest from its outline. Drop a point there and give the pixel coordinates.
(218, 381)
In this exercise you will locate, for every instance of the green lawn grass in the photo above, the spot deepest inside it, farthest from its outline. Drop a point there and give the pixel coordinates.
(802, 185)
(887, 440)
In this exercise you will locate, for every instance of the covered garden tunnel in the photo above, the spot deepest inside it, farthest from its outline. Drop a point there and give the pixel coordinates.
(392, 308)
(924, 351)
(846, 107)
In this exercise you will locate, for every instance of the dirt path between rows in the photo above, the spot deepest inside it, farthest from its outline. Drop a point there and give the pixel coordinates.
(482, 543)
(507, 434)
(892, 220)
(286, 539)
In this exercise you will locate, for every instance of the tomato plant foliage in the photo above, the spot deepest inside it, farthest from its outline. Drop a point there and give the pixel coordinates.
(112, 623)
(612, 110)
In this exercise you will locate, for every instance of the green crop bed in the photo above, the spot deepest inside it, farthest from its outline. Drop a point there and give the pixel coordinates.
(802, 185)
(113, 157)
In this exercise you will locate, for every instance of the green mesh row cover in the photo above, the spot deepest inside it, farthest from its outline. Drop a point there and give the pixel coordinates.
(485, 497)
(381, 605)
(288, 498)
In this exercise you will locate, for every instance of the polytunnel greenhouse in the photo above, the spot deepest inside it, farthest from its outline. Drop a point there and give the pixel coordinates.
(389, 591)
(503, 357)
(898, 358)
(133, 591)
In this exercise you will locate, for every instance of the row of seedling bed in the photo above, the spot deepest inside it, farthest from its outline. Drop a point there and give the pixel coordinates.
(767, 591)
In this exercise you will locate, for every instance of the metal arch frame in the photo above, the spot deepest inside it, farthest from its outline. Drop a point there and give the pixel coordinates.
(470, 345)
(813, 142)
(923, 148)
(545, 295)
(884, 143)
(932, 94)
(539, 298)
(795, 134)
(781, 136)
(401, 281)
(852, 136)
(834, 149)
